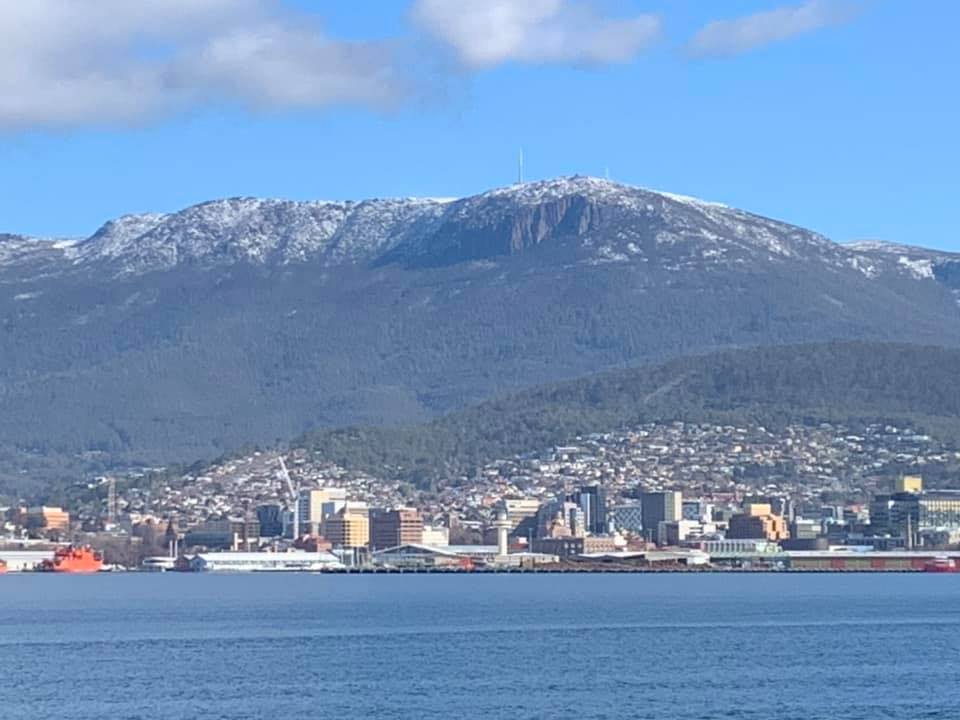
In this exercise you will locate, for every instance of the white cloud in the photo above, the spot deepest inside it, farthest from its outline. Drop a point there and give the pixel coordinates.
(485, 33)
(743, 34)
(66, 62)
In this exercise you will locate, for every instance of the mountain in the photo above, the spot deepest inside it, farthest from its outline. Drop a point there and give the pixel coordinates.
(922, 263)
(852, 383)
(179, 336)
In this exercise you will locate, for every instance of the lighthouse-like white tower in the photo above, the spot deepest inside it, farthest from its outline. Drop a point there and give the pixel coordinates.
(502, 524)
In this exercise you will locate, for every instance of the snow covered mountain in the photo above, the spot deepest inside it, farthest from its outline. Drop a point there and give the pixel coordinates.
(173, 337)
(611, 222)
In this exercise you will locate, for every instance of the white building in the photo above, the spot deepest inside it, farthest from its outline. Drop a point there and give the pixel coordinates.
(296, 561)
(436, 536)
(23, 560)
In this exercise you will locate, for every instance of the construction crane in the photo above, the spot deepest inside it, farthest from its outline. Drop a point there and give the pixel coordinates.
(294, 497)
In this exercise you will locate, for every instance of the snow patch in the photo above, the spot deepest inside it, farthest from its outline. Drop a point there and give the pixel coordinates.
(921, 269)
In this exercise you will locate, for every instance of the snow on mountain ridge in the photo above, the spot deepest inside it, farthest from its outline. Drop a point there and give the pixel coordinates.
(614, 221)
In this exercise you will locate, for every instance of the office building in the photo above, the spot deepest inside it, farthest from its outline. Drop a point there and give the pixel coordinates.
(627, 518)
(939, 511)
(436, 536)
(757, 521)
(349, 527)
(270, 517)
(892, 514)
(225, 534)
(691, 510)
(521, 515)
(520, 509)
(316, 505)
(48, 519)
(657, 508)
(592, 499)
(681, 531)
(392, 528)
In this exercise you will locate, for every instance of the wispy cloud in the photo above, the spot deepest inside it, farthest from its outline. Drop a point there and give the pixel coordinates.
(743, 34)
(491, 32)
(65, 63)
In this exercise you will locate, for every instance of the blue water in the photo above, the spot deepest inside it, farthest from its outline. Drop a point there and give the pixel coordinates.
(531, 646)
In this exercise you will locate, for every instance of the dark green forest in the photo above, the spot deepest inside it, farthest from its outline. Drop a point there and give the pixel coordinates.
(852, 383)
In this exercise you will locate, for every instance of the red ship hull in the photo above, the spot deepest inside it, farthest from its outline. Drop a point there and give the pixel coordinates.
(73, 560)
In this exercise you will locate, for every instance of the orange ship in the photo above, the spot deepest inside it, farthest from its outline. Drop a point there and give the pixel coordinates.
(73, 559)
(3, 566)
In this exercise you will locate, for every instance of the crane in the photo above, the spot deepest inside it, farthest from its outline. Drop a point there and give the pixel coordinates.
(294, 497)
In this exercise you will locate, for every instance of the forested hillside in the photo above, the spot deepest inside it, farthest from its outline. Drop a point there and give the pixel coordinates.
(847, 382)
(169, 338)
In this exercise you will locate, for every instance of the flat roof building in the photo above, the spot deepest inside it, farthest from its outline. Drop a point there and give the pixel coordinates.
(349, 527)
(758, 523)
(657, 508)
(263, 561)
(48, 519)
(390, 528)
(316, 505)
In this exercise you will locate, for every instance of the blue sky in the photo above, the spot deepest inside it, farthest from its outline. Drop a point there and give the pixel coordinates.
(837, 116)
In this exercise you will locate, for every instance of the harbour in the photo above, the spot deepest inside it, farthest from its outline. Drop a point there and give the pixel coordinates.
(742, 645)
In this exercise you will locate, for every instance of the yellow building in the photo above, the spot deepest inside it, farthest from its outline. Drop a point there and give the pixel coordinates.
(349, 527)
(909, 484)
(49, 518)
(315, 505)
(759, 523)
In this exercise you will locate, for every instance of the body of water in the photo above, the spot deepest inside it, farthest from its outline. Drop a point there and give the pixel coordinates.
(584, 647)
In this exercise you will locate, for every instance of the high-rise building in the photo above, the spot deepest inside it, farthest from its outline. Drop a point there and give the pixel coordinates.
(657, 508)
(392, 528)
(270, 517)
(627, 518)
(349, 527)
(316, 505)
(592, 499)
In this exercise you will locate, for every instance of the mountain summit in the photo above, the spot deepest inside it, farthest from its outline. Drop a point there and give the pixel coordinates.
(166, 337)
(610, 222)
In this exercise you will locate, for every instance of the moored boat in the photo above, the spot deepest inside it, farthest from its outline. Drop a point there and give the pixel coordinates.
(3, 566)
(73, 559)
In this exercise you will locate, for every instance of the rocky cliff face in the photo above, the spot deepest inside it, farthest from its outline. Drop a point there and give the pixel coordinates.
(601, 220)
(171, 337)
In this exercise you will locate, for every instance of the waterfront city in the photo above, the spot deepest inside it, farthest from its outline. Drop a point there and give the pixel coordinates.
(660, 497)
